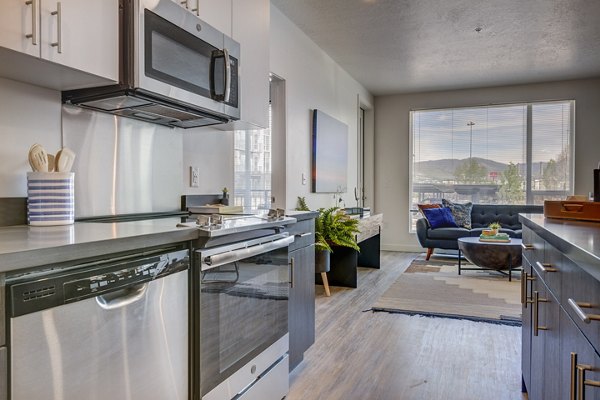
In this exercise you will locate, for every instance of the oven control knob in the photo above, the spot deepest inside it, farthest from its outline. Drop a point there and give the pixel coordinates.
(253, 369)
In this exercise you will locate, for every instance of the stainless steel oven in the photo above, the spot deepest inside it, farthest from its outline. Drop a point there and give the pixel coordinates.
(243, 313)
(176, 69)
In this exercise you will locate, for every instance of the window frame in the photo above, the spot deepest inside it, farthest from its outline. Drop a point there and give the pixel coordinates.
(529, 193)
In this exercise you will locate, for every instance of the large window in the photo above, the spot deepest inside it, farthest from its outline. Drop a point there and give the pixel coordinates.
(509, 154)
(252, 169)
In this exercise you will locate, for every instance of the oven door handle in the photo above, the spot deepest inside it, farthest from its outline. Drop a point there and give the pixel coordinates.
(217, 260)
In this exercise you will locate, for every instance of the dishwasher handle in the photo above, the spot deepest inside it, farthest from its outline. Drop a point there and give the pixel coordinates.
(122, 298)
(217, 260)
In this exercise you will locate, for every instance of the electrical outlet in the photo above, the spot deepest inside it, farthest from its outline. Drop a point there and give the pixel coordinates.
(194, 177)
(303, 179)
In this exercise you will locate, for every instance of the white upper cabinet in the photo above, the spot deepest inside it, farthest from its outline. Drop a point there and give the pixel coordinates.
(19, 26)
(81, 35)
(217, 13)
(250, 27)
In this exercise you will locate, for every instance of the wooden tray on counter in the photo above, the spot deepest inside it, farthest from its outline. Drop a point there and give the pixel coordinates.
(578, 210)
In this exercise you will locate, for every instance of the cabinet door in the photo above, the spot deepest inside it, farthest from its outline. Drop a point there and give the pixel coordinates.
(527, 280)
(301, 320)
(580, 364)
(544, 345)
(216, 12)
(17, 20)
(251, 19)
(82, 34)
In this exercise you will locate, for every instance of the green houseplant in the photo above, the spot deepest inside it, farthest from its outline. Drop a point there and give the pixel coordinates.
(333, 227)
(495, 227)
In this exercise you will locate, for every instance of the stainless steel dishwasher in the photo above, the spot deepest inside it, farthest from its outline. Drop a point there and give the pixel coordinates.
(108, 329)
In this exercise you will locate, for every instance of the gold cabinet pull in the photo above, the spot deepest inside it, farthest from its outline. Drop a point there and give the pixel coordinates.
(545, 267)
(524, 289)
(577, 307)
(578, 381)
(573, 376)
(525, 299)
(527, 246)
(536, 303)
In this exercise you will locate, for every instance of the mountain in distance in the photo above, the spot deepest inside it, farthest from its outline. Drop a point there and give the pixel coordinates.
(441, 170)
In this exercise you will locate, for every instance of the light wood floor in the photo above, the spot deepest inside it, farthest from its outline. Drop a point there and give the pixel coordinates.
(363, 355)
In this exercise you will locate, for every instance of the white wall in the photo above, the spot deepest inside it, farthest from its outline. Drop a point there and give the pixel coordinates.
(392, 141)
(28, 115)
(212, 151)
(312, 81)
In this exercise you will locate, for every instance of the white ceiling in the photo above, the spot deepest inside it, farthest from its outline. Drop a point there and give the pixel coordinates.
(403, 46)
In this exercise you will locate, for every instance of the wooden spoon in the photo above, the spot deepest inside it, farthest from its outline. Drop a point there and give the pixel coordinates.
(38, 158)
(64, 160)
(51, 164)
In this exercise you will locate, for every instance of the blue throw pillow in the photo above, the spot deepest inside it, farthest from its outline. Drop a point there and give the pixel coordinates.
(439, 218)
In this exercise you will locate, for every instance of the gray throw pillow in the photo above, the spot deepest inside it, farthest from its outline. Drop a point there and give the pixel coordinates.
(460, 212)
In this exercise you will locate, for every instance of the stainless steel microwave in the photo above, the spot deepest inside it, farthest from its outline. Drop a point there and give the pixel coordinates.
(175, 69)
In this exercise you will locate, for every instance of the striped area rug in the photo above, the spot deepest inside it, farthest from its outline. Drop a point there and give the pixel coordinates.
(434, 288)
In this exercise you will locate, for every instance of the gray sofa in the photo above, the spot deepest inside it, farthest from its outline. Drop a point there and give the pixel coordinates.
(481, 216)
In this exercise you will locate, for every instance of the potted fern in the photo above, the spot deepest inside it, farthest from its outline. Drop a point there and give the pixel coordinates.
(333, 227)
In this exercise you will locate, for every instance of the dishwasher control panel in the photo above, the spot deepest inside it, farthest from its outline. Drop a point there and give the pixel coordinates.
(62, 288)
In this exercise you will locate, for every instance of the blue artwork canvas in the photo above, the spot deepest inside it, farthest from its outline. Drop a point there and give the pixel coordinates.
(329, 155)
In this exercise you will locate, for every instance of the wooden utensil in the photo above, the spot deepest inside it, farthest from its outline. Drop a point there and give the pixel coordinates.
(64, 160)
(51, 163)
(38, 158)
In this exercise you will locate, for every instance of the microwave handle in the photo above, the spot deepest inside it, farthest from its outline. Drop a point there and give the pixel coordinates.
(227, 76)
(225, 258)
(222, 97)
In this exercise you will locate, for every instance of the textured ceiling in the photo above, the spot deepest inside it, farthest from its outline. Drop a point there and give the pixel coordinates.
(402, 46)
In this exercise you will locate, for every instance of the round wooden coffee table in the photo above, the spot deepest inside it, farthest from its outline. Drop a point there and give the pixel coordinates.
(498, 256)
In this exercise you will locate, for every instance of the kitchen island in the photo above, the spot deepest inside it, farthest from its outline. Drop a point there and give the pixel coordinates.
(560, 296)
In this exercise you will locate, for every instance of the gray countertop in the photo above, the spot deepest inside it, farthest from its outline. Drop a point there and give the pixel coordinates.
(25, 246)
(578, 240)
(302, 215)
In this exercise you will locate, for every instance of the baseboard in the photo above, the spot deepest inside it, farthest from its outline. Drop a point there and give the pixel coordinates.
(403, 248)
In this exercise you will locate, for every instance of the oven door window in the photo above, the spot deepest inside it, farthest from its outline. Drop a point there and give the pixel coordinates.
(176, 57)
(244, 310)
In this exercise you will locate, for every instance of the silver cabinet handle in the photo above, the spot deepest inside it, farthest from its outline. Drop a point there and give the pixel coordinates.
(58, 13)
(292, 272)
(197, 9)
(545, 267)
(122, 298)
(184, 3)
(587, 318)
(33, 34)
(305, 234)
(527, 246)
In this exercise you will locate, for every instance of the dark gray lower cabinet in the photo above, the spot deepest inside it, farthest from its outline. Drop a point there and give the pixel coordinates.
(580, 364)
(560, 359)
(3, 374)
(301, 322)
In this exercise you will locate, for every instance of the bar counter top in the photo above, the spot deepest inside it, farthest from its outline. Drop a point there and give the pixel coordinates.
(577, 240)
